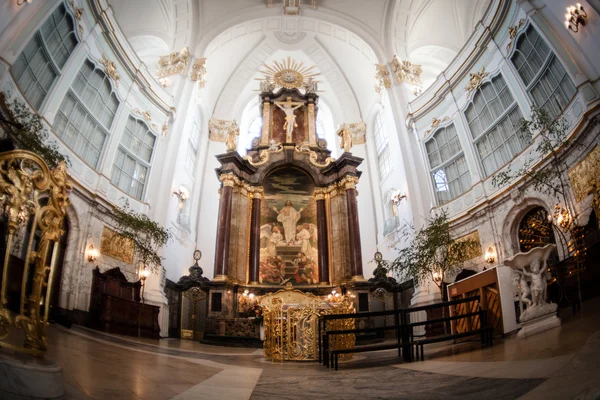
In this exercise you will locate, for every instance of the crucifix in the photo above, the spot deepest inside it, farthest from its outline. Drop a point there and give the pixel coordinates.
(288, 108)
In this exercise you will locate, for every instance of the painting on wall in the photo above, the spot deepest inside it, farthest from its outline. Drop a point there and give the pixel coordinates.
(288, 245)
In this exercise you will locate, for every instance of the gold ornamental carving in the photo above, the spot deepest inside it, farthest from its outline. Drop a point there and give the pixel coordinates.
(382, 78)
(173, 63)
(584, 175)
(110, 68)
(404, 70)
(78, 13)
(313, 158)
(198, 73)
(229, 180)
(349, 182)
(288, 73)
(291, 324)
(435, 122)
(116, 246)
(148, 117)
(263, 155)
(512, 33)
(475, 80)
(24, 180)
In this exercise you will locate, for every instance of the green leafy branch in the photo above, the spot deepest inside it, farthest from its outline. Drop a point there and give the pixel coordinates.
(432, 252)
(26, 129)
(147, 236)
(552, 137)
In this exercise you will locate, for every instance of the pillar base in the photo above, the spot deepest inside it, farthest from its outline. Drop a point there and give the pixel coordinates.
(358, 278)
(253, 283)
(30, 377)
(220, 278)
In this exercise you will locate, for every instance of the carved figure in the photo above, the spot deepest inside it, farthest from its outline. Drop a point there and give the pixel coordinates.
(266, 85)
(232, 135)
(311, 85)
(346, 136)
(288, 108)
(532, 268)
(525, 289)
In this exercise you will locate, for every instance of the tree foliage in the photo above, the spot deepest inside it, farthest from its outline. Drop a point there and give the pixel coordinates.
(26, 129)
(147, 236)
(551, 134)
(433, 251)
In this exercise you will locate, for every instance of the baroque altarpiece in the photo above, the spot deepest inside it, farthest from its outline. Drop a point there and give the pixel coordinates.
(288, 211)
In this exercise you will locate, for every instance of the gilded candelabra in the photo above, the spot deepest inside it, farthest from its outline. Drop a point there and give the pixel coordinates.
(25, 182)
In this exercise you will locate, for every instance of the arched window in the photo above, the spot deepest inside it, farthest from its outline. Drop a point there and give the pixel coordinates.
(494, 119)
(86, 114)
(448, 167)
(192, 149)
(544, 76)
(134, 155)
(44, 56)
(382, 147)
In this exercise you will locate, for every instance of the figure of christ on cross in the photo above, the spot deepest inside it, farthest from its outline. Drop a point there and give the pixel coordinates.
(288, 108)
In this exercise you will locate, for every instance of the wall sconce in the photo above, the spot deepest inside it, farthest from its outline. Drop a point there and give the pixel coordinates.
(574, 17)
(182, 194)
(489, 256)
(437, 276)
(92, 253)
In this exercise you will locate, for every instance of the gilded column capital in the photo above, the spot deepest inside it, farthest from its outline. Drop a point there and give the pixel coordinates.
(349, 182)
(319, 193)
(229, 180)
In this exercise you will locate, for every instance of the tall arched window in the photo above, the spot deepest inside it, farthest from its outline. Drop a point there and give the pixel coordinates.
(382, 147)
(546, 79)
(447, 163)
(86, 114)
(192, 149)
(44, 56)
(134, 155)
(494, 118)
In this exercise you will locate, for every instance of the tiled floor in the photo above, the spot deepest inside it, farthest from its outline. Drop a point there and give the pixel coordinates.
(559, 364)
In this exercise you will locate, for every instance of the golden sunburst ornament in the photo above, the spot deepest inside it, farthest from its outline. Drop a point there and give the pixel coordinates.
(288, 73)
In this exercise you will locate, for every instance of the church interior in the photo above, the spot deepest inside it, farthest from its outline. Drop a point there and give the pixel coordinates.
(248, 199)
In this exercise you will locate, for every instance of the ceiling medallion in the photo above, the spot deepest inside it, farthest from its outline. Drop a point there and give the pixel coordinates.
(288, 73)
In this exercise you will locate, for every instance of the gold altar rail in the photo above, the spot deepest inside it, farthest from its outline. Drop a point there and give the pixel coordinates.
(33, 202)
(291, 324)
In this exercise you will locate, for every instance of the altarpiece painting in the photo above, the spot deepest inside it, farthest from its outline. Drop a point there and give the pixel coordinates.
(288, 234)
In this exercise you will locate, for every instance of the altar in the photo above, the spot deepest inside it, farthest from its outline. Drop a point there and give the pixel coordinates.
(291, 324)
(288, 217)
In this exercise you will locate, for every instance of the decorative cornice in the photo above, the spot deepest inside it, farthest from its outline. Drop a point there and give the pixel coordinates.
(173, 63)
(198, 73)
(110, 68)
(382, 77)
(404, 70)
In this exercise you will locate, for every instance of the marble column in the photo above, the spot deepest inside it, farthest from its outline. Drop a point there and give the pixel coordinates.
(322, 238)
(255, 239)
(353, 228)
(224, 228)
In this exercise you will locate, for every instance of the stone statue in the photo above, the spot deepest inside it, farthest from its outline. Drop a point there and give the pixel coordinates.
(346, 135)
(288, 108)
(234, 132)
(311, 85)
(531, 266)
(266, 85)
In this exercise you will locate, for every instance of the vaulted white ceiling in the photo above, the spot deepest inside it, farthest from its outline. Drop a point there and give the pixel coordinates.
(343, 38)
